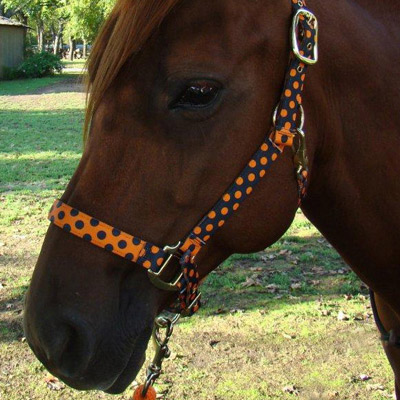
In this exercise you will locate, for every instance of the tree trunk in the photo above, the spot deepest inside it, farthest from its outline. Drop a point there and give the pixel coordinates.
(56, 44)
(57, 39)
(71, 49)
(40, 32)
(84, 49)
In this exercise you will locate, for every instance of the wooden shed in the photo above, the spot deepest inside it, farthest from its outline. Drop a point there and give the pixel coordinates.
(12, 38)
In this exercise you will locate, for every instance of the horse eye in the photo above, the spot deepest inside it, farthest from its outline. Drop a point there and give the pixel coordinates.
(196, 95)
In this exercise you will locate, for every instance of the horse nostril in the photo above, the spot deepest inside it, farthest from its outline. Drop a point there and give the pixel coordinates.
(68, 348)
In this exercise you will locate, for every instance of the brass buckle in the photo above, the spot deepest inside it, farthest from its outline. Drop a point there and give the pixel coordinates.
(154, 277)
(295, 44)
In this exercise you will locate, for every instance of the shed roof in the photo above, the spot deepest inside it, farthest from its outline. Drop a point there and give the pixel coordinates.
(10, 22)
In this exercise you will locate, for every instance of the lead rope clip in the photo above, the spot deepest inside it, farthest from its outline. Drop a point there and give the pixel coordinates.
(165, 321)
(300, 156)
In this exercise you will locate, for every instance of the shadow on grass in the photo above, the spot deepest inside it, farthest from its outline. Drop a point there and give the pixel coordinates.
(11, 315)
(295, 269)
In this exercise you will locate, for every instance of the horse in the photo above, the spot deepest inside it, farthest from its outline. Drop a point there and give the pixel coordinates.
(181, 94)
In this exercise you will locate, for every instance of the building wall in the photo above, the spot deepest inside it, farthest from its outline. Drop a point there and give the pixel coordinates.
(11, 46)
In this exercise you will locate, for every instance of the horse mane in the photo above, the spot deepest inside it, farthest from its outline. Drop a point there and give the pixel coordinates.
(129, 26)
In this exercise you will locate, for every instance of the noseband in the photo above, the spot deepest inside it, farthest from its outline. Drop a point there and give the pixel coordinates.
(287, 126)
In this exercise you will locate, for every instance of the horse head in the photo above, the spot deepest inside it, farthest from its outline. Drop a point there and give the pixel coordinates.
(181, 96)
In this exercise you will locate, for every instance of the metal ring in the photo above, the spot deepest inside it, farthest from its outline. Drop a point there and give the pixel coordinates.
(302, 116)
(275, 114)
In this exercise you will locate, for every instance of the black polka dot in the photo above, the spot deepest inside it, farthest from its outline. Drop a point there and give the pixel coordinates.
(67, 227)
(61, 215)
(136, 241)
(129, 256)
(116, 232)
(52, 218)
(79, 224)
(94, 222)
(74, 212)
(122, 244)
(109, 247)
(101, 235)
(87, 237)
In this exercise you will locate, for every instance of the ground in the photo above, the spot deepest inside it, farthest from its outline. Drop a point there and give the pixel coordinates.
(290, 322)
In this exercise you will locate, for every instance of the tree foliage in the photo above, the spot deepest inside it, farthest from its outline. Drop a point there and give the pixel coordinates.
(59, 20)
(85, 18)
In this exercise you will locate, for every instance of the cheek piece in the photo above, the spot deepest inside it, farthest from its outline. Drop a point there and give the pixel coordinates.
(287, 131)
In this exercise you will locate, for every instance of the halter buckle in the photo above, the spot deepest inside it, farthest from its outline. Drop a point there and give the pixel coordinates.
(154, 277)
(311, 19)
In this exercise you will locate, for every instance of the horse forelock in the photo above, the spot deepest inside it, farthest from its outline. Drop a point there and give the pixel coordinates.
(129, 26)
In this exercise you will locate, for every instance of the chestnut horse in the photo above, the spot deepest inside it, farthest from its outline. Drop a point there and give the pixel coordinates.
(182, 93)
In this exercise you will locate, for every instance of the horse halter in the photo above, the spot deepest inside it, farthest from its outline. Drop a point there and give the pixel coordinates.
(285, 127)
(288, 122)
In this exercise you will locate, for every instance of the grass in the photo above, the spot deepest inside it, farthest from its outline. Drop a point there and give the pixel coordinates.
(269, 328)
(74, 64)
(22, 86)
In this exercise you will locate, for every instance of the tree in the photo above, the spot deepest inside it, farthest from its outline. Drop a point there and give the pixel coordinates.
(37, 11)
(85, 19)
(55, 19)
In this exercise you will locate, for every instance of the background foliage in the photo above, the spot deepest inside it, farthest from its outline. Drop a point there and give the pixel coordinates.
(38, 65)
(55, 22)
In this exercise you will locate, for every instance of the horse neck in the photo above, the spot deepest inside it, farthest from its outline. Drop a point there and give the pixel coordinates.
(352, 102)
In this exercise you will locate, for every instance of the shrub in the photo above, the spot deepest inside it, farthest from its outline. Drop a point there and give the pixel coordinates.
(40, 65)
(10, 74)
(37, 66)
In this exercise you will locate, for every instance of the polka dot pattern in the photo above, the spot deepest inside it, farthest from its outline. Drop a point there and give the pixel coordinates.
(96, 232)
(291, 99)
(188, 299)
(153, 257)
(261, 161)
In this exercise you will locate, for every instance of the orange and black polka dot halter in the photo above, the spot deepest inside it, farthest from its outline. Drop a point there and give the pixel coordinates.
(288, 124)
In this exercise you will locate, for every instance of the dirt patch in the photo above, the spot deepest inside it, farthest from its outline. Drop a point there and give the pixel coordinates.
(69, 85)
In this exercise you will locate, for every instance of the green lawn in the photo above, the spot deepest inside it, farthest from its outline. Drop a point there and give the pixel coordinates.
(269, 328)
(74, 64)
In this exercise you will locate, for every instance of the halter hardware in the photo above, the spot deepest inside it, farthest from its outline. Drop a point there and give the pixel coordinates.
(174, 253)
(300, 159)
(303, 13)
(165, 321)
